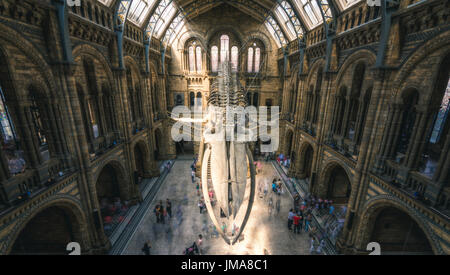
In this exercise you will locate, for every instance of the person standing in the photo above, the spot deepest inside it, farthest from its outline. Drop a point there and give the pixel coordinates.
(290, 218)
(157, 211)
(297, 220)
(146, 248)
(161, 212)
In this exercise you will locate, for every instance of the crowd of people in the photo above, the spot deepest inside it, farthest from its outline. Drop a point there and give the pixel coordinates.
(300, 219)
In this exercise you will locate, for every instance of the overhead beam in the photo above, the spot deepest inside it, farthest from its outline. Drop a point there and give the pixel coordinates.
(388, 7)
(120, 19)
(329, 24)
(64, 30)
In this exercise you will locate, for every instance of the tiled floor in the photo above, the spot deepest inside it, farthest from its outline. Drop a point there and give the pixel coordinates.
(263, 231)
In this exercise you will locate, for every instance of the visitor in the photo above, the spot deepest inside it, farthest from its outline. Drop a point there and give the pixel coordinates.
(162, 213)
(146, 248)
(200, 243)
(313, 245)
(290, 218)
(200, 206)
(266, 188)
(168, 166)
(198, 189)
(157, 211)
(193, 176)
(169, 208)
(308, 222)
(297, 220)
(321, 246)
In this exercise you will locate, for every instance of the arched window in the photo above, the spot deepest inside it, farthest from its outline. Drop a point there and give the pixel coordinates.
(191, 59)
(37, 121)
(191, 99)
(234, 58)
(8, 132)
(254, 58)
(224, 48)
(198, 52)
(250, 60)
(257, 59)
(198, 100)
(214, 58)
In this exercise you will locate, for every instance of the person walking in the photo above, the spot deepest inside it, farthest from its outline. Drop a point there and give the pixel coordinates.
(321, 246)
(308, 222)
(146, 248)
(290, 218)
(200, 244)
(313, 245)
(193, 176)
(169, 208)
(200, 206)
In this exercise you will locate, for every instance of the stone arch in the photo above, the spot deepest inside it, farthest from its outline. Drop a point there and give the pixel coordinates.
(223, 28)
(141, 158)
(306, 160)
(259, 36)
(27, 48)
(70, 207)
(119, 176)
(159, 143)
(373, 208)
(335, 182)
(85, 50)
(347, 68)
(313, 69)
(189, 35)
(439, 43)
(289, 142)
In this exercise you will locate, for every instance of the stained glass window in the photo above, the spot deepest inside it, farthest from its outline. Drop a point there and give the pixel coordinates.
(214, 58)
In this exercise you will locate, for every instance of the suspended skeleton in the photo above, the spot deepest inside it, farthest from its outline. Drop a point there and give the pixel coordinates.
(229, 152)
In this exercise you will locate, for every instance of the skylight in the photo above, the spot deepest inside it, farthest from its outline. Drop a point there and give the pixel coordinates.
(139, 10)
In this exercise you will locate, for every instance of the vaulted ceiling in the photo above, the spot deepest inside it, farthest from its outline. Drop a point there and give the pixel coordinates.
(286, 20)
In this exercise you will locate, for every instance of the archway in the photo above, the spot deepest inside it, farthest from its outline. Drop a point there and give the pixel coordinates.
(289, 139)
(48, 232)
(158, 143)
(306, 161)
(336, 184)
(398, 233)
(112, 193)
(141, 159)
